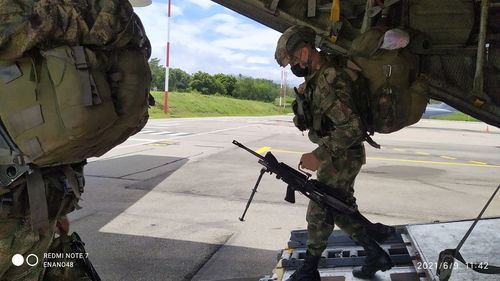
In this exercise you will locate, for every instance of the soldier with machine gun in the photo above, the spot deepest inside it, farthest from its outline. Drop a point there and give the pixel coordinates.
(327, 108)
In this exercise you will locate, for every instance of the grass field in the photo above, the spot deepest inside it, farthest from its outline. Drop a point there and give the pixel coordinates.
(457, 116)
(197, 105)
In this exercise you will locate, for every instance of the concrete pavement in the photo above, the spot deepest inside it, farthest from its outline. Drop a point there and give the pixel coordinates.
(165, 204)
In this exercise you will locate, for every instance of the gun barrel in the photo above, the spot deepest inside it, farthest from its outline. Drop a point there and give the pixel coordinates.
(248, 149)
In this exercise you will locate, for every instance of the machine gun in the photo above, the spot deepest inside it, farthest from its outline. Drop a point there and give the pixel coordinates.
(328, 197)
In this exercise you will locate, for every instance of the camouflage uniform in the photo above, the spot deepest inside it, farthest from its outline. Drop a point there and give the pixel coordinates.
(109, 28)
(16, 234)
(329, 108)
(338, 131)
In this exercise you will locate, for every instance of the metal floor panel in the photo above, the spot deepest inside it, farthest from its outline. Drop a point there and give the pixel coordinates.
(482, 246)
(345, 274)
(341, 251)
(414, 249)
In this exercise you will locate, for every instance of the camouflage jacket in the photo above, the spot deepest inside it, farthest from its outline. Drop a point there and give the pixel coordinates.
(46, 24)
(334, 123)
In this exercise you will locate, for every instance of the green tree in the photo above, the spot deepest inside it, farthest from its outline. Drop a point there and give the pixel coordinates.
(228, 81)
(206, 84)
(256, 89)
(178, 80)
(158, 74)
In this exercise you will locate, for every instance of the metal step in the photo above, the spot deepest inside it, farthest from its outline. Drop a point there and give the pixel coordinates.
(341, 251)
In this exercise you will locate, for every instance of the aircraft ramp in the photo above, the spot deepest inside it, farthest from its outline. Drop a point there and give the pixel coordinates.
(414, 250)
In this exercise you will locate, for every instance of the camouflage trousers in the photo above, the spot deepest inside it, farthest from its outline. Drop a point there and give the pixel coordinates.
(16, 234)
(339, 173)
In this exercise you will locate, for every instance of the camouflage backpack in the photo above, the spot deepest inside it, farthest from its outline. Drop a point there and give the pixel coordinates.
(396, 98)
(74, 77)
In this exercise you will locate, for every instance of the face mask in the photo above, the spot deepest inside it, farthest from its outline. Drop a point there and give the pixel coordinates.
(299, 71)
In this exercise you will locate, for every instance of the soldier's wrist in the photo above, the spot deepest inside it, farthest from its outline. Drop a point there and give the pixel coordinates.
(321, 153)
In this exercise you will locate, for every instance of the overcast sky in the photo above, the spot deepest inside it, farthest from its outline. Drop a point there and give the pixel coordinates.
(208, 37)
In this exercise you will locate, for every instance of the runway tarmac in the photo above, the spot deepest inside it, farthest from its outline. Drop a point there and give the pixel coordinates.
(165, 204)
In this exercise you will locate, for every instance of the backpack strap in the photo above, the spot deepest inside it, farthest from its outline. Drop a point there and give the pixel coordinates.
(38, 202)
(90, 94)
(362, 107)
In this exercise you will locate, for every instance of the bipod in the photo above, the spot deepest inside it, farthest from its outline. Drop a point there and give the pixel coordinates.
(254, 190)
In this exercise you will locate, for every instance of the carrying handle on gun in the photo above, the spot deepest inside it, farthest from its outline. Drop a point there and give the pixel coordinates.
(308, 175)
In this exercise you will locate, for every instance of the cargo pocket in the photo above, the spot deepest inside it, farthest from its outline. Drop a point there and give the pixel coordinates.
(83, 97)
(18, 94)
(419, 93)
(20, 110)
(356, 156)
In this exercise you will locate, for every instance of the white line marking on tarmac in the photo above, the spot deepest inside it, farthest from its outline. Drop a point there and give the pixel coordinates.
(176, 137)
(160, 133)
(179, 134)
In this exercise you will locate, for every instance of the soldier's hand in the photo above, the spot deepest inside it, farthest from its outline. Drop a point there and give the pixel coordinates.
(62, 226)
(309, 161)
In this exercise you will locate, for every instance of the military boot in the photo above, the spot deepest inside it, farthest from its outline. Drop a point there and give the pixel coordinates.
(378, 231)
(376, 258)
(381, 232)
(308, 271)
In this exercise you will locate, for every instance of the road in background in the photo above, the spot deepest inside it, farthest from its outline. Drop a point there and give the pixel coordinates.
(165, 204)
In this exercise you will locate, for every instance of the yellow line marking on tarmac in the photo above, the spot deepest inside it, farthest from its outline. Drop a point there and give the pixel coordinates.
(448, 157)
(472, 164)
(435, 162)
(263, 149)
(287, 151)
(422, 153)
(399, 149)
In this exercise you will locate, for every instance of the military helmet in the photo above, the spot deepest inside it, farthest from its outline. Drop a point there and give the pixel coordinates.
(293, 38)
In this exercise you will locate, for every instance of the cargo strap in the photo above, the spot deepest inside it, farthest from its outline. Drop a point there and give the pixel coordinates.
(381, 5)
(90, 95)
(38, 202)
(311, 8)
(446, 257)
(335, 20)
(273, 6)
(72, 185)
(371, 142)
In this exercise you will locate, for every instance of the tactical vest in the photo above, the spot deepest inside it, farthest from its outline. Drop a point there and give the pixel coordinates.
(310, 108)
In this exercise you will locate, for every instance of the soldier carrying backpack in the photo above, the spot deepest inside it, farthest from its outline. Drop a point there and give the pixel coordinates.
(342, 102)
(328, 108)
(74, 83)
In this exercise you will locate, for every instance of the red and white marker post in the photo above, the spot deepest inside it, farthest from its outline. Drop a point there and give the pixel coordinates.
(167, 64)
